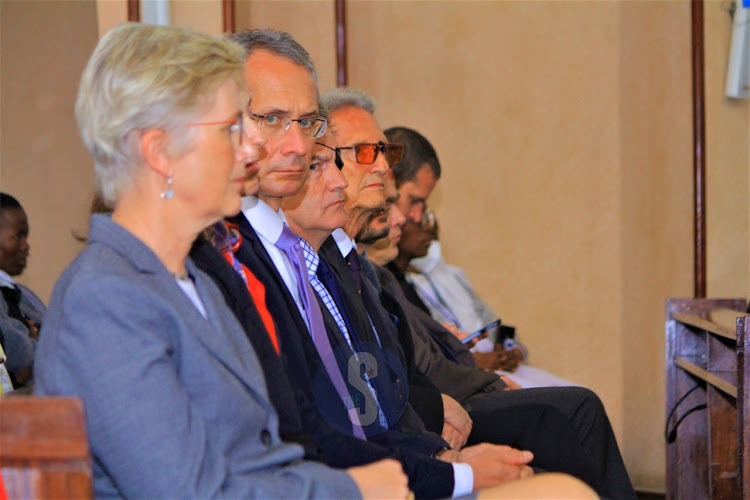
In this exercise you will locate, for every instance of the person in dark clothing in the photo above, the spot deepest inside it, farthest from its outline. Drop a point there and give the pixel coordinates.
(21, 311)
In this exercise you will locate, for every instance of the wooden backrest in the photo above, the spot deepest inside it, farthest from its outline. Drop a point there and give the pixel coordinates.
(706, 380)
(44, 450)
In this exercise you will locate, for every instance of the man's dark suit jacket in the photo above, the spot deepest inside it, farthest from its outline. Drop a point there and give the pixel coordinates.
(462, 381)
(424, 396)
(540, 420)
(428, 477)
(552, 423)
(430, 371)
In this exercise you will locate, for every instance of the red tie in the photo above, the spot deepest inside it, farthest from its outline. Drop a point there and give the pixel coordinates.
(227, 239)
(258, 293)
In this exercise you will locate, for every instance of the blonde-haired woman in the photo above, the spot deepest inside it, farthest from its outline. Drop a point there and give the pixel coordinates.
(175, 401)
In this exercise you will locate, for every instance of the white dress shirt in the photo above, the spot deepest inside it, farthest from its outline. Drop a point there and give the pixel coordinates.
(6, 280)
(268, 225)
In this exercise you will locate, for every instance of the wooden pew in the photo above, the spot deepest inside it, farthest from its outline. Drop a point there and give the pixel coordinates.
(44, 450)
(706, 373)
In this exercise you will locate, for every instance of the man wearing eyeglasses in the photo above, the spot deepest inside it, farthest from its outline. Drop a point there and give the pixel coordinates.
(313, 213)
(282, 85)
(361, 153)
(416, 176)
(356, 318)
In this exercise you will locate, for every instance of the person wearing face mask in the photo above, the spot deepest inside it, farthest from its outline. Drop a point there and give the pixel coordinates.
(450, 299)
(21, 311)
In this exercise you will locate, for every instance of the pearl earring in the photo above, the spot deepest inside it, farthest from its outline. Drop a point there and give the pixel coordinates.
(168, 193)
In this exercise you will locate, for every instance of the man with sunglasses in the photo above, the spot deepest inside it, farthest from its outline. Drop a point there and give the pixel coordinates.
(283, 90)
(315, 212)
(579, 441)
(360, 142)
(528, 425)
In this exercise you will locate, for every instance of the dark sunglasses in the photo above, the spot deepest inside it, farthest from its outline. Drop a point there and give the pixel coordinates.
(368, 152)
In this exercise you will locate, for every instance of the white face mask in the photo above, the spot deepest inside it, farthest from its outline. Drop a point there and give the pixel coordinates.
(428, 262)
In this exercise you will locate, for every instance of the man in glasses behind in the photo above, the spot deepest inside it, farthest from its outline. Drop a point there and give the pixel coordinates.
(444, 291)
(281, 81)
(530, 425)
(416, 176)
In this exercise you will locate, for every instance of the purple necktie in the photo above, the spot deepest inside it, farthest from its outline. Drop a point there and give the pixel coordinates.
(289, 243)
(352, 259)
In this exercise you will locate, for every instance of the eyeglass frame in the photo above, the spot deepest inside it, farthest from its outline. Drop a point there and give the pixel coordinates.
(379, 148)
(338, 161)
(240, 119)
(261, 119)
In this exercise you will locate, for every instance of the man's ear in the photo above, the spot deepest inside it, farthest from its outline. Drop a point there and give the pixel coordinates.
(153, 145)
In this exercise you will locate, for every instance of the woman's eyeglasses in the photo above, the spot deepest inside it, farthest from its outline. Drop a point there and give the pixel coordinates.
(236, 129)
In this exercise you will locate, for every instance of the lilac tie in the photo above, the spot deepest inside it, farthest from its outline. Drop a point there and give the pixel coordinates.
(289, 243)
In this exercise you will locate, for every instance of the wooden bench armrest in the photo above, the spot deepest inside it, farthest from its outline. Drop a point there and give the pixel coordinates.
(44, 450)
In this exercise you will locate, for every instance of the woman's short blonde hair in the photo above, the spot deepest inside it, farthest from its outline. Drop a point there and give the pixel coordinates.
(143, 77)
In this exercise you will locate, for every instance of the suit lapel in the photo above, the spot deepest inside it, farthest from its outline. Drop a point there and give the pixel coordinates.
(223, 337)
(364, 308)
(302, 360)
(385, 323)
(340, 347)
(329, 251)
(253, 254)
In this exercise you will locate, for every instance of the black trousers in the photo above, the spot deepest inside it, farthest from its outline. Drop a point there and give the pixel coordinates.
(566, 428)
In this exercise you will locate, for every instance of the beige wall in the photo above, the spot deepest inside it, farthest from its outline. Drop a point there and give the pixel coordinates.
(43, 163)
(727, 160)
(564, 129)
(202, 15)
(312, 22)
(655, 220)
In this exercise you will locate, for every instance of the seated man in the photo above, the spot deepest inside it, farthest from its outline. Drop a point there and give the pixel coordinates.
(577, 416)
(281, 80)
(450, 365)
(445, 293)
(21, 311)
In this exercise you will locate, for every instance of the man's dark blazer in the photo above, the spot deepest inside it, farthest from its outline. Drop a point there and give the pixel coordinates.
(395, 335)
(284, 310)
(463, 380)
(428, 477)
(539, 419)
(280, 390)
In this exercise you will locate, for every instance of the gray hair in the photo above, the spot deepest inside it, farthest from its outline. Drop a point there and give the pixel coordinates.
(323, 111)
(417, 152)
(144, 77)
(276, 42)
(345, 97)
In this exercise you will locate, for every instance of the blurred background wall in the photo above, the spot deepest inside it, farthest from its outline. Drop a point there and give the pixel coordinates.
(565, 134)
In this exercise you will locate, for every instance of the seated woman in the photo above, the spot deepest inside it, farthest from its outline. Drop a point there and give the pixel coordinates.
(21, 311)
(175, 401)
